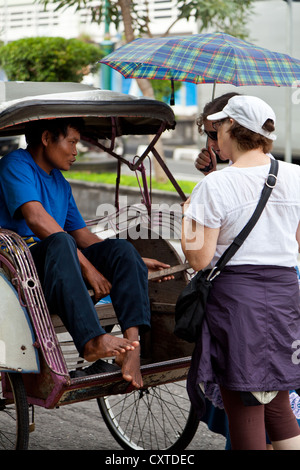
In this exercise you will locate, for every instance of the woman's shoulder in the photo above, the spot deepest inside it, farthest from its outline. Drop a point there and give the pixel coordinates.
(213, 180)
(220, 176)
(292, 168)
(216, 183)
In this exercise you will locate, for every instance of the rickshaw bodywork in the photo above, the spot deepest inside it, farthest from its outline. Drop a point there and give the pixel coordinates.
(32, 347)
(17, 351)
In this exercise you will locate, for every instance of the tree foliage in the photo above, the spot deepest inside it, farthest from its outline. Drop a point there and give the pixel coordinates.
(228, 16)
(50, 59)
(162, 89)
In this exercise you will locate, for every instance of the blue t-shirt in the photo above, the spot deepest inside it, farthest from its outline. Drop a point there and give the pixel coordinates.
(22, 180)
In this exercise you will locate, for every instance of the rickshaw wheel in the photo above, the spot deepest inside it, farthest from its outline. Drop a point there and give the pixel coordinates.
(157, 418)
(14, 416)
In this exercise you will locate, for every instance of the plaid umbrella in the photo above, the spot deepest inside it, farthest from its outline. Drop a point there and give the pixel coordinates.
(204, 58)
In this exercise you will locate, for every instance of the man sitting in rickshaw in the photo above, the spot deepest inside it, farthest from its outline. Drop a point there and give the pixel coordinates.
(36, 201)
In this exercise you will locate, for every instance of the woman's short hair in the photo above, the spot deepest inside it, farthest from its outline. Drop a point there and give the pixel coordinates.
(249, 140)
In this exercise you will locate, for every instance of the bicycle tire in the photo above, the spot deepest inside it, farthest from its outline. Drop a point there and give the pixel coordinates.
(14, 416)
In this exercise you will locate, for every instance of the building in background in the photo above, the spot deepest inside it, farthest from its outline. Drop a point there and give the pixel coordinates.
(26, 18)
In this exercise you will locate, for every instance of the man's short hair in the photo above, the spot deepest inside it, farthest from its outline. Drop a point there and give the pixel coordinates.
(34, 129)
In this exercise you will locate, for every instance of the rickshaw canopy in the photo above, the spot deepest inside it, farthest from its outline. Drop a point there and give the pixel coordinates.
(21, 102)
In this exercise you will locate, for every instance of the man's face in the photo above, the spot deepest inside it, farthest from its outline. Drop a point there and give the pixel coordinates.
(60, 154)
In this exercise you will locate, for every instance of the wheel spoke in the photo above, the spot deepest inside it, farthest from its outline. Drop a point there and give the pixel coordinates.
(156, 418)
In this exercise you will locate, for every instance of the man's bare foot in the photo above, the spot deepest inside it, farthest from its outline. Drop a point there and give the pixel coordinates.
(106, 346)
(130, 360)
(130, 365)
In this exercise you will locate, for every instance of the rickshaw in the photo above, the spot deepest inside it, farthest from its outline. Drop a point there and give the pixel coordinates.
(37, 356)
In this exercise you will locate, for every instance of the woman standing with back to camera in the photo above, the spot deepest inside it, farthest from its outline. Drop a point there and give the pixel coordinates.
(249, 336)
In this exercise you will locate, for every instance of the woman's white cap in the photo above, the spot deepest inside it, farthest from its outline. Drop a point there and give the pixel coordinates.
(250, 112)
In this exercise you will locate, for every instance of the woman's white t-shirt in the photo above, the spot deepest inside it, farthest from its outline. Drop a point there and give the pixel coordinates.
(227, 198)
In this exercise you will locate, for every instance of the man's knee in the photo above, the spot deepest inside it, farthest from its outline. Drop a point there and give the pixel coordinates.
(124, 249)
(61, 240)
(130, 256)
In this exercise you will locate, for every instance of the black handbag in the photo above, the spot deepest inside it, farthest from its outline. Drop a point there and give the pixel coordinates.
(191, 303)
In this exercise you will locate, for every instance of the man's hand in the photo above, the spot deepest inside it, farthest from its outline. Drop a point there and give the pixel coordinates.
(154, 265)
(100, 285)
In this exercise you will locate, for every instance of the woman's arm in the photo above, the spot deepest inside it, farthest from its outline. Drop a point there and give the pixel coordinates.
(198, 243)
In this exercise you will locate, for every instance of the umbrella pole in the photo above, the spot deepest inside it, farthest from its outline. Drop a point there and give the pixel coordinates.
(172, 99)
(214, 90)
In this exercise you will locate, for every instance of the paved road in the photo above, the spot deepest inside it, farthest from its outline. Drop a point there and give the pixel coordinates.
(81, 427)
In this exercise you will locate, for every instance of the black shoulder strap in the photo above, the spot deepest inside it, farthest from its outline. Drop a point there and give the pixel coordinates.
(241, 237)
